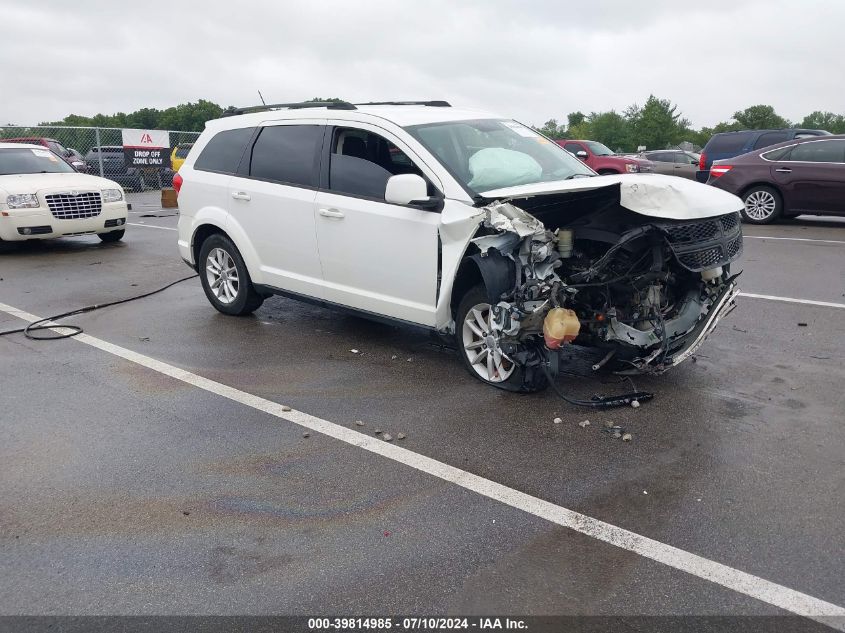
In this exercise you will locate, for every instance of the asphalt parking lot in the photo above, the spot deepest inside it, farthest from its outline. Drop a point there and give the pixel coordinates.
(131, 489)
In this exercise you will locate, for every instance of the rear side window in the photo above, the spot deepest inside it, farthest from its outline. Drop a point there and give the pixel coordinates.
(287, 154)
(819, 152)
(771, 138)
(224, 151)
(661, 157)
(780, 153)
(726, 143)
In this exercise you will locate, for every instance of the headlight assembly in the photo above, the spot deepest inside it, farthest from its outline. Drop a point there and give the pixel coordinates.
(22, 201)
(112, 195)
(631, 168)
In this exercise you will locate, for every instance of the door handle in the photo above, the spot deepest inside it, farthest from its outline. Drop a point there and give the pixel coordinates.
(331, 213)
(784, 170)
(240, 195)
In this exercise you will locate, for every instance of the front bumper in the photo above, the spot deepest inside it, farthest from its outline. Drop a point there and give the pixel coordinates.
(44, 225)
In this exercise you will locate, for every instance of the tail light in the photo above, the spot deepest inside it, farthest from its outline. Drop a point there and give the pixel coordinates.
(719, 170)
(177, 182)
(702, 161)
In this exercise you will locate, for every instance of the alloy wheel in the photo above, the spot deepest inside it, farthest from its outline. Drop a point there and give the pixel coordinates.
(481, 338)
(760, 205)
(222, 275)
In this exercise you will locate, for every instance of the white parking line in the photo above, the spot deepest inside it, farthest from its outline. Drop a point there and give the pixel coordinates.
(811, 302)
(792, 239)
(153, 226)
(733, 579)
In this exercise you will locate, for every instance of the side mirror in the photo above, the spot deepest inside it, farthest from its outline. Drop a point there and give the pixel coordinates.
(581, 154)
(409, 189)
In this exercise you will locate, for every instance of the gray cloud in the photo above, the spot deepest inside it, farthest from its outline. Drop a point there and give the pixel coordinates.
(531, 60)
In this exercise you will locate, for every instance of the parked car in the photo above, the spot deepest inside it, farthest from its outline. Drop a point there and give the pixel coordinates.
(802, 176)
(603, 160)
(41, 196)
(77, 161)
(114, 166)
(470, 225)
(729, 144)
(70, 156)
(179, 154)
(674, 162)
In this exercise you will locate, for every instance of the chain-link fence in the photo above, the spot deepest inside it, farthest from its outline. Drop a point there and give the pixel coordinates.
(104, 152)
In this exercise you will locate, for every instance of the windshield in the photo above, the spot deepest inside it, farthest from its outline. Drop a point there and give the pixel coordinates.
(599, 149)
(487, 154)
(31, 161)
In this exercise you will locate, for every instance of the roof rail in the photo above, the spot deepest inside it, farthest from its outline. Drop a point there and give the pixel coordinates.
(331, 105)
(434, 104)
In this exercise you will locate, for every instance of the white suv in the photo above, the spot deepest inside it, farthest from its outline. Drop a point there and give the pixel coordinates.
(466, 223)
(41, 196)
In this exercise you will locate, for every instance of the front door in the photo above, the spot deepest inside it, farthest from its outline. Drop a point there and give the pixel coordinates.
(377, 257)
(813, 176)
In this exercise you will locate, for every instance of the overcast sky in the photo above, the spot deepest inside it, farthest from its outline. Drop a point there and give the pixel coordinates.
(530, 60)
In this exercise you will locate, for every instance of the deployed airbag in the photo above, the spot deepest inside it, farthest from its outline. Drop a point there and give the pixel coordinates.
(498, 167)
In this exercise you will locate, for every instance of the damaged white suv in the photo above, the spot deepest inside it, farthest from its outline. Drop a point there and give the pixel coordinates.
(469, 224)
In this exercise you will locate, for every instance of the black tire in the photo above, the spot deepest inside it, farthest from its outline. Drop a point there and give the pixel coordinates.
(112, 236)
(246, 299)
(764, 204)
(517, 380)
(608, 172)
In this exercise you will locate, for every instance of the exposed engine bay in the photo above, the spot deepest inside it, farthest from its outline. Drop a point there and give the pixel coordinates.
(583, 270)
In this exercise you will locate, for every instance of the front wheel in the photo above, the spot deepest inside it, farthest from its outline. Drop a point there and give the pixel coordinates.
(763, 205)
(225, 278)
(479, 343)
(112, 236)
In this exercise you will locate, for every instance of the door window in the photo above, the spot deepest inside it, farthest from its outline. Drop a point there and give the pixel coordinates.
(819, 152)
(224, 151)
(771, 138)
(573, 148)
(287, 154)
(660, 157)
(361, 162)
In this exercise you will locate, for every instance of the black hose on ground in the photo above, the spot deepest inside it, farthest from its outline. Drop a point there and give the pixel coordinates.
(48, 323)
(596, 402)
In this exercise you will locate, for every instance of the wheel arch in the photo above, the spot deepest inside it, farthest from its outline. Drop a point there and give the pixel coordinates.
(233, 232)
(495, 271)
(762, 183)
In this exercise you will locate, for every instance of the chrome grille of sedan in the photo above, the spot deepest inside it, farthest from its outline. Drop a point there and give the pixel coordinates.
(75, 205)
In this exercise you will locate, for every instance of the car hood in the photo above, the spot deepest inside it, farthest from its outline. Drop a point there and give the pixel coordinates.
(653, 195)
(31, 183)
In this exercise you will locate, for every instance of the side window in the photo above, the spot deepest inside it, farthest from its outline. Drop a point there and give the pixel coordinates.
(771, 138)
(361, 162)
(781, 153)
(662, 157)
(224, 151)
(573, 147)
(726, 143)
(820, 152)
(287, 154)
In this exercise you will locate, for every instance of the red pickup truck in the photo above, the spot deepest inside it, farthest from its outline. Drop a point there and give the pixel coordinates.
(603, 160)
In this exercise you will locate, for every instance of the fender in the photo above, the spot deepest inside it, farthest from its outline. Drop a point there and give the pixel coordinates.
(498, 273)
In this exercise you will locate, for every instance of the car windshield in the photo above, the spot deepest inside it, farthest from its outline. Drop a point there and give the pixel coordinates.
(31, 161)
(599, 149)
(487, 154)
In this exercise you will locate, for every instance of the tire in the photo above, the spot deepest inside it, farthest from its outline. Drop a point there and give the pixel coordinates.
(763, 205)
(474, 309)
(234, 295)
(112, 236)
(607, 172)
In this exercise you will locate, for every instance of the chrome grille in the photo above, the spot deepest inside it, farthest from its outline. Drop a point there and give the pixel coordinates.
(73, 205)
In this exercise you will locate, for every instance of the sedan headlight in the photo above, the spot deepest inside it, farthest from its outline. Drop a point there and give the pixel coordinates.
(631, 168)
(22, 201)
(112, 195)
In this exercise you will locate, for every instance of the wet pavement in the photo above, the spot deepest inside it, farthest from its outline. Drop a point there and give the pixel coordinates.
(126, 491)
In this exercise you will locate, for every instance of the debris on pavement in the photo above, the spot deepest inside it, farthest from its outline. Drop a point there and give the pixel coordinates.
(802, 325)
(377, 431)
(635, 404)
(387, 437)
(401, 436)
(645, 492)
(394, 357)
(557, 420)
(285, 407)
(615, 431)
(306, 434)
(584, 424)
(144, 339)
(359, 423)
(627, 437)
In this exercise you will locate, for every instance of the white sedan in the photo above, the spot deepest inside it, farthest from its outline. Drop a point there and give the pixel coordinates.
(41, 197)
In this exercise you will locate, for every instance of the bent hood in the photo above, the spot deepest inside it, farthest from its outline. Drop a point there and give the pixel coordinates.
(653, 195)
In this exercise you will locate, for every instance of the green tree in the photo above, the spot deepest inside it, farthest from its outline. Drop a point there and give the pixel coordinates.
(829, 121)
(760, 117)
(657, 124)
(609, 128)
(552, 129)
(575, 118)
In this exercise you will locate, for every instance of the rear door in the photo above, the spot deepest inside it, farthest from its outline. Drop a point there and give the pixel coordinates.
(813, 177)
(271, 202)
(377, 257)
(664, 162)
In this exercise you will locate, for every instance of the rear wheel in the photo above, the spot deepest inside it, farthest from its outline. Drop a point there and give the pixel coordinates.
(479, 344)
(225, 278)
(763, 205)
